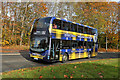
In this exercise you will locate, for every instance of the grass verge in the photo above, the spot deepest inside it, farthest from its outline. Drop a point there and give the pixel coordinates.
(14, 48)
(108, 50)
(107, 68)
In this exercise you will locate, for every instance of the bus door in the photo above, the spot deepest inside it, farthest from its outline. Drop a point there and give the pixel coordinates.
(55, 49)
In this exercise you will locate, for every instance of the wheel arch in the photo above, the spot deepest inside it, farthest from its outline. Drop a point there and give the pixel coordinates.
(67, 54)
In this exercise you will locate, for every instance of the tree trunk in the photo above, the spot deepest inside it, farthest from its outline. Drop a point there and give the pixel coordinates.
(23, 20)
(106, 43)
(118, 45)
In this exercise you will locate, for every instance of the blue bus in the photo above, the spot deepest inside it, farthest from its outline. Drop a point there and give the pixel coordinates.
(56, 39)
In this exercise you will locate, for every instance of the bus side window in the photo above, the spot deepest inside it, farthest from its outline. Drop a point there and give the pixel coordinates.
(89, 45)
(85, 45)
(80, 44)
(85, 30)
(90, 30)
(72, 27)
(75, 26)
(93, 31)
(59, 24)
(74, 44)
(64, 25)
(67, 24)
(56, 24)
(66, 44)
(80, 29)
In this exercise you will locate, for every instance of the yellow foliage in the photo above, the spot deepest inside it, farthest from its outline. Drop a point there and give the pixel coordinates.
(5, 42)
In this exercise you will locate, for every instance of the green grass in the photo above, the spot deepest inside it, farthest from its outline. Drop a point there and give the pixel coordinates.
(107, 68)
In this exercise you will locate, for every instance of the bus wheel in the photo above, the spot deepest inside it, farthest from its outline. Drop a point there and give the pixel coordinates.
(89, 55)
(64, 58)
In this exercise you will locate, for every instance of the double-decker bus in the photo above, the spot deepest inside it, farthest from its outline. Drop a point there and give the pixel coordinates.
(55, 39)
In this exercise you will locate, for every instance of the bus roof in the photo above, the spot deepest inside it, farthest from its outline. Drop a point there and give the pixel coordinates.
(72, 22)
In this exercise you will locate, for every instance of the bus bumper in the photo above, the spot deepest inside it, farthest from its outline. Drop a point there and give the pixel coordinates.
(43, 58)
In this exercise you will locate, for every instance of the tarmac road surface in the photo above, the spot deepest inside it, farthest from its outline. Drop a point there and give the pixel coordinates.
(13, 61)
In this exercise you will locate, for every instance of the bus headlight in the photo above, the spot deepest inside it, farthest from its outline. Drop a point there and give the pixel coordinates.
(48, 57)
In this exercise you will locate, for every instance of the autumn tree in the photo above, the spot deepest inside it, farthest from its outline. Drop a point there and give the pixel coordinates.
(100, 15)
(17, 20)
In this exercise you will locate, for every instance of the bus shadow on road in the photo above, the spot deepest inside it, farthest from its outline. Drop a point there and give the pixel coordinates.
(25, 54)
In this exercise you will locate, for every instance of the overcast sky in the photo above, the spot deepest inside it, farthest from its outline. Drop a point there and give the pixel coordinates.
(115, 0)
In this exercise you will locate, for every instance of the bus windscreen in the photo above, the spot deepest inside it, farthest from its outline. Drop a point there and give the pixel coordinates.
(39, 43)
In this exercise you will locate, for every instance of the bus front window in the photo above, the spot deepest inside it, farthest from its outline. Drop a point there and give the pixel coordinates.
(42, 23)
(39, 44)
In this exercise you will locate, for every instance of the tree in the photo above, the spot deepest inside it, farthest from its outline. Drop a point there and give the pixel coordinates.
(17, 20)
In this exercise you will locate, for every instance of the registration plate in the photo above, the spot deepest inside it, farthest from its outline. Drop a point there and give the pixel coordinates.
(36, 58)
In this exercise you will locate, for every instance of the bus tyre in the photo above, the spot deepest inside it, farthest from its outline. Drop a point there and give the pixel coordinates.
(89, 55)
(64, 58)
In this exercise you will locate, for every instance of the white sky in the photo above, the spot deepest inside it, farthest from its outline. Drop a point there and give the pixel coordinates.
(55, 0)
(115, 0)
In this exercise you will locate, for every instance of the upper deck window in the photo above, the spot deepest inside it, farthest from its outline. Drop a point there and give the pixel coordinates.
(66, 26)
(80, 29)
(94, 31)
(86, 30)
(74, 27)
(56, 24)
(90, 31)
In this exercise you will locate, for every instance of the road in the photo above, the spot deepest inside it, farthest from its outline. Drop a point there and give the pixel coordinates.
(22, 60)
